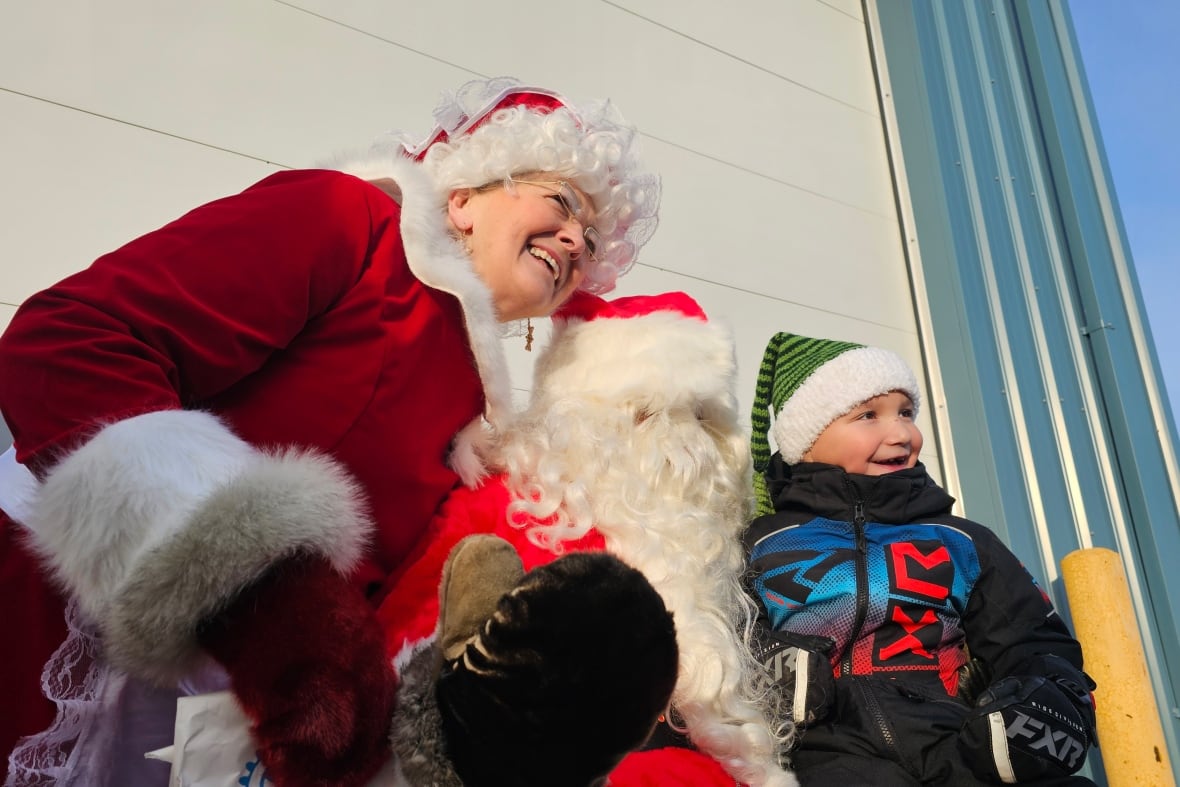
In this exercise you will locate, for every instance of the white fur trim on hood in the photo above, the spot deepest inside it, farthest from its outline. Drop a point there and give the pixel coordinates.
(438, 261)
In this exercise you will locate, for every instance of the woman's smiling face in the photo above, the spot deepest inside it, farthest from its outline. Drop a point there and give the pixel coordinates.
(876, 437)
(524, 241)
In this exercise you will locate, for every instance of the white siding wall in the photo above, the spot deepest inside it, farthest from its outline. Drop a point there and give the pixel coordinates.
(761, 115)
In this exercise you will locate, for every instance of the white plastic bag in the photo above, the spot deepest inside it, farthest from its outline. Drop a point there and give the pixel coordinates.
(212, 747)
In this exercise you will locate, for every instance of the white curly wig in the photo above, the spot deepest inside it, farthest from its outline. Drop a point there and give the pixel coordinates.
(588, 144)
(633, 430)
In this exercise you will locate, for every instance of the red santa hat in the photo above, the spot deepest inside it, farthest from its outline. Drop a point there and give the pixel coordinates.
(661, 349)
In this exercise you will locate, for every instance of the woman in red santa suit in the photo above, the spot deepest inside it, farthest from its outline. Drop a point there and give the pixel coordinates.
(229, 432)
(631, 444)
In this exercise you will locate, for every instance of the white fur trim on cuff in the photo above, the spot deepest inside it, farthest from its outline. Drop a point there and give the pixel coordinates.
(279, 505)
(471, 445)
(834, 389)
(18, 487)
(128, 488)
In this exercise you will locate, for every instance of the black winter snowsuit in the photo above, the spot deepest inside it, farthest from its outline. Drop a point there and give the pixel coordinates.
(903, 589)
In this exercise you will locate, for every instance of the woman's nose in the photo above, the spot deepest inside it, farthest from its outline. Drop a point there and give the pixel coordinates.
(570, 236)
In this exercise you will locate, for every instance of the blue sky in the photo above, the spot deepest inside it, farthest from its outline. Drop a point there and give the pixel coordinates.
(1131, 55)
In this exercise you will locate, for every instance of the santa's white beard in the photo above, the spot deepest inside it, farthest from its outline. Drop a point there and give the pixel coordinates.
(669, 492)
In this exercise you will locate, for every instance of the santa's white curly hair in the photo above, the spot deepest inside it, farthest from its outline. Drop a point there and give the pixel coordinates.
(633, 430)
(490, 131)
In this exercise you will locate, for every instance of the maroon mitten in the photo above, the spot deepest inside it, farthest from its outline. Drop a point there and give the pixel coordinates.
(307, 662)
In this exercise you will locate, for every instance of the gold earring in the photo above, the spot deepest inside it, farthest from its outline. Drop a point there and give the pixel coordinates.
(528, 336)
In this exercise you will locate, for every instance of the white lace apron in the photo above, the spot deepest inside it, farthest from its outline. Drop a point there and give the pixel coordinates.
(105, 720)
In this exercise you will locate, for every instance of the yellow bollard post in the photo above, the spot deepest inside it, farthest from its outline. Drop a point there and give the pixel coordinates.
(1130, 733)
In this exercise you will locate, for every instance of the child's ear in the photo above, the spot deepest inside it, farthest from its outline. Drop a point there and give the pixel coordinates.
(459, 209)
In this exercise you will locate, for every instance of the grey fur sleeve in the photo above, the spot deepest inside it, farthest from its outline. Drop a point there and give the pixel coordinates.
(277, 506)
(417, 735)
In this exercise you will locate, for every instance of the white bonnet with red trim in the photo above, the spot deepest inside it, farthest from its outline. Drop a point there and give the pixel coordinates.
(490, 130)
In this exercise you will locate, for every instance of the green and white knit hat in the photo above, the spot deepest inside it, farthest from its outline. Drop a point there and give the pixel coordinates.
(804, 384)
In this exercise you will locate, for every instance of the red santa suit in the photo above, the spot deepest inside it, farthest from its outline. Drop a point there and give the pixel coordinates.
(259, 404)
(409, 615)
(313, 312)
(631, 446)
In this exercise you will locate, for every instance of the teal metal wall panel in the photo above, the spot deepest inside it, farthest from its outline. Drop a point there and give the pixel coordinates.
(1118, 333)
(1061, 438)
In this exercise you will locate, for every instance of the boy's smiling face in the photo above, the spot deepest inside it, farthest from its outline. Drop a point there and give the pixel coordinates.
(876, 437)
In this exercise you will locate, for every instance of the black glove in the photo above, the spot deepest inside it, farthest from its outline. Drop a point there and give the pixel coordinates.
(800, 666)
(569, 674)
(1033, 726)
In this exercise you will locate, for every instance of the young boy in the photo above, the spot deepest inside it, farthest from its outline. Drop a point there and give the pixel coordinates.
(912, 645)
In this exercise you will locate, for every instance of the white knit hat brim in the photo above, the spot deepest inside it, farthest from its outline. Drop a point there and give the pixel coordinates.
(834, 389)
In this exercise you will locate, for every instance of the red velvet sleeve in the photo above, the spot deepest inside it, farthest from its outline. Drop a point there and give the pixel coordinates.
(184, 312)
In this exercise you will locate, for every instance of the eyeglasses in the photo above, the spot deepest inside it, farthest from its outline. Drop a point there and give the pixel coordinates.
(575, 208)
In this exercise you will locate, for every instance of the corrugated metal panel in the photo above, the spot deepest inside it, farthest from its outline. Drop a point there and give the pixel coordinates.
(1061, 439)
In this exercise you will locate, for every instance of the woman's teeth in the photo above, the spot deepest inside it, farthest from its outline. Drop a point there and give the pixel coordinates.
(544, 257)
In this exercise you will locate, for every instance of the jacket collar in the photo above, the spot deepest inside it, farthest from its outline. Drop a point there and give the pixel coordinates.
(812, 489)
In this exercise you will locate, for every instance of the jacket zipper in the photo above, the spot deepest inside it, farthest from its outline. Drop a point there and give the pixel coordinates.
(862, 585)
(873, 708)
(872, 705)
